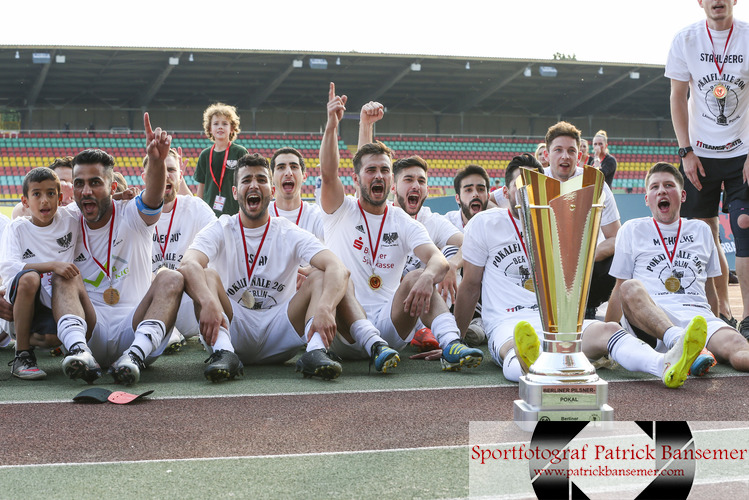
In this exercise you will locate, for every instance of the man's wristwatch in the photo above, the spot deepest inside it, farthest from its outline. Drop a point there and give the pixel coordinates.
(685, 151)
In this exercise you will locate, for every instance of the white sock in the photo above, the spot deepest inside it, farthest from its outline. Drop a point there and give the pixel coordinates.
(634, 354)
(445, 329)
(71, 330)
(315, 342)
(365, 334)
(148, 336)
(511, 368)
(671, 335)
(223, 339)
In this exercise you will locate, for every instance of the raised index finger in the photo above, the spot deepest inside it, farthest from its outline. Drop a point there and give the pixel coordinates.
(331, 92)
(147, 124)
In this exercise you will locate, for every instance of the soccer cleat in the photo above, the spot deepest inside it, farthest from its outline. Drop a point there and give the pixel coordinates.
(126, 370)
(744, 328)
(80, 363)
(705, 360)
(458, 355)
(223, 365)
(425, 341)
(175, 346)
(527, 345)
(383, 357)
(729, 321)
(680, 357)
(320, 363)
(475, 335)
(24, 366)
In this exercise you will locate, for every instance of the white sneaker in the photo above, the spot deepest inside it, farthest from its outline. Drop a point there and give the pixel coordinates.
(80, 363)
(475, 335)
(680, 357)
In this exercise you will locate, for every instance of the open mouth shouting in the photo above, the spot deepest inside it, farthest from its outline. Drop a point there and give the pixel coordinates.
(377, 189)
(288, 185)
(412, 202)
(476, 206)
(253, 202)
(664, 206)
(89, 207)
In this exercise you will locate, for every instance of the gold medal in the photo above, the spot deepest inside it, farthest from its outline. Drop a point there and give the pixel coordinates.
(248, 300)
(375, 282)
(673, 284)
(528, 285)
(720, 91)
(111, 296)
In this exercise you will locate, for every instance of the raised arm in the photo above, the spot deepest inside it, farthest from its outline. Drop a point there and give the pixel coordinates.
(157, 148)
(371, 113)
(331, 190)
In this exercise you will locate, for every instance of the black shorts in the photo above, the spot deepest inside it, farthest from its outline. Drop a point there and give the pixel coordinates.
(43, 321)
(720, 173)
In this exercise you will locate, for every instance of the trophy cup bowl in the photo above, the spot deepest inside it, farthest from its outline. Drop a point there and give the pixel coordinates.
(561, 222)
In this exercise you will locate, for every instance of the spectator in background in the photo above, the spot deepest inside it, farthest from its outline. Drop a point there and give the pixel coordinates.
(584, 153)
(601, 157)
(540, 156)
(221, 125)
(497, 185)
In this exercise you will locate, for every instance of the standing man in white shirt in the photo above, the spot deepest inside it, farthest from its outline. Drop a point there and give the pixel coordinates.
(707, 65)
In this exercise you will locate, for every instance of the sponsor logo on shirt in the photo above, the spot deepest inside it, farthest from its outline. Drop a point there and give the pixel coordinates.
(28, 254)
(65, 241)
(389, 238)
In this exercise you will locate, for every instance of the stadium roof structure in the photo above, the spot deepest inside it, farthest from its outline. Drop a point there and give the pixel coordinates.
(61, 77)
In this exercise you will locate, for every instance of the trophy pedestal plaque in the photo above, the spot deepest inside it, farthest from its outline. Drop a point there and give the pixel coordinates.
(561, 222)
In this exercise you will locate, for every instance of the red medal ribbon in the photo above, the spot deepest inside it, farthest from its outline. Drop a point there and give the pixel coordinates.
(725, 48)
(298, 217)
(257, 253)
(223, 167)
(168, 232)
(517, 231)
(377, 245)
(672, 254)
(109, 249)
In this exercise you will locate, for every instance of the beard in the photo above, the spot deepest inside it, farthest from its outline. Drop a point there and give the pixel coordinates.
(466, 208)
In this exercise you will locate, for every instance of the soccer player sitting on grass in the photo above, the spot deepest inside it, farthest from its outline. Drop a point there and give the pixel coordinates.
(497, 266)
(661, 265)
(33, 248)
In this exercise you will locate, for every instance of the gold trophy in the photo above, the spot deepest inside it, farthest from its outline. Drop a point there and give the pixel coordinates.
(561, 222)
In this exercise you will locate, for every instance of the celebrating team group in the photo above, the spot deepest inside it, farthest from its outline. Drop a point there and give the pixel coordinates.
(118, 279)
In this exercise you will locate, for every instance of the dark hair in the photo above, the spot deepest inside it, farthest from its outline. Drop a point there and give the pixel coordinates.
(667, 168)
(373, 148)
(524, 160)
(562, 129)
(411, 161)
(93, 157)
(40, 174)
(65, 161)
(250, 160)
(470, 170)
(286, 151)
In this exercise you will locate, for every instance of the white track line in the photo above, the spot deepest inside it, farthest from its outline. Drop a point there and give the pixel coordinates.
(322, 393)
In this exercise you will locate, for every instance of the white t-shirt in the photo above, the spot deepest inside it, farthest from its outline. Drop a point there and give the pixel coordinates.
(718, 128)
(129, 267)
(640, 254)
(492, 242)
(440, 230)
(346, 236)
(24, 243)
(310, 218)
(455, 217)
(274, 276)
(188, 217)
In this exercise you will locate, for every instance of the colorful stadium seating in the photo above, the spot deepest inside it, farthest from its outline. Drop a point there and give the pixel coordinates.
(446, 155)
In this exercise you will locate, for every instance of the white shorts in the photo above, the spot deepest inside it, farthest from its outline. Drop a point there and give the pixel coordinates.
(111, 338)
(680, 316)
(263, 336)
(186, 322)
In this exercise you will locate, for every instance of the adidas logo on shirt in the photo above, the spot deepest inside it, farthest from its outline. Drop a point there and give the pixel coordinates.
(80, 258)
(28, 254)
(360, 228)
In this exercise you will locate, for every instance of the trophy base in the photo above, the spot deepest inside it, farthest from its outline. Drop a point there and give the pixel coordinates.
(561, 402)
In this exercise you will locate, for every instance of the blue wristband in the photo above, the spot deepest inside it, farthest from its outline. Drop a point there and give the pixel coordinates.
(145, 210)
